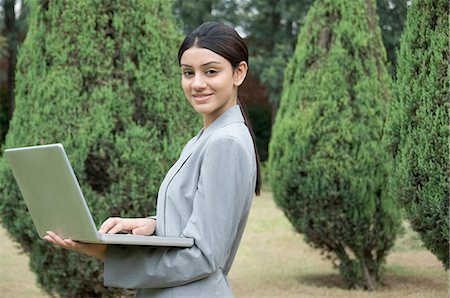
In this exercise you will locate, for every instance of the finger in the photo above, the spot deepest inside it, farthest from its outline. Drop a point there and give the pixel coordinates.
(53, 236)
(71, 244)
(117, 228)
(49, 239)
(147, 228)
(108, 224)
(56, 239)
(139, 231)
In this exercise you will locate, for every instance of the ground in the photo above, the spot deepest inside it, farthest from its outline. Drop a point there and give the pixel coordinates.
(274, 261)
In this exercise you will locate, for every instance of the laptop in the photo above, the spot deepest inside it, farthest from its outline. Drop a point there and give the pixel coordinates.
(55, 201)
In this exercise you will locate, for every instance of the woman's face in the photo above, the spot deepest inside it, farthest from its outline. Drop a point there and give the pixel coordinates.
(209, 82)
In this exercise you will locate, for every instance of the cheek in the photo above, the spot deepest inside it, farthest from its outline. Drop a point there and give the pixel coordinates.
(185, 85)
(222, 84)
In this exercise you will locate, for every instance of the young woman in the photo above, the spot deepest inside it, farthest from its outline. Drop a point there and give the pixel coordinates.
(207, 193)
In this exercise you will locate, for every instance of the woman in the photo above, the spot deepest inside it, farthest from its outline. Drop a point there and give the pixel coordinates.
(207, 193)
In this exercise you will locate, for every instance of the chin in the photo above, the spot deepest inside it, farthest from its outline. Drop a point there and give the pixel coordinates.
(202, 109)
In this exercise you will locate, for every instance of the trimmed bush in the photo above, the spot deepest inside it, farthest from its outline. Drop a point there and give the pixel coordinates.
(417, 131)
(326, 162)
(102, 78)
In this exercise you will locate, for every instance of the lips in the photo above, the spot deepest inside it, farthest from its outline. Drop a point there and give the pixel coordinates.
(201, 97)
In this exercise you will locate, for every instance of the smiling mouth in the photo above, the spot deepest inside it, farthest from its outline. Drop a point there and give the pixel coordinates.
(202, 97)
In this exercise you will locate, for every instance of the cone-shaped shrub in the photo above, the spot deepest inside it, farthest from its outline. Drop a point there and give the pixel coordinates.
(417, 129)
(326, 160)
(101, 77)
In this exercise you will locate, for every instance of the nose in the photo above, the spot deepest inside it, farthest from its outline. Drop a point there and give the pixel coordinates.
(198, 82)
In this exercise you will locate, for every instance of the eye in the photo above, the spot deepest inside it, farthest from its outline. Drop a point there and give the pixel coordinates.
(188, 73)
(211, 72)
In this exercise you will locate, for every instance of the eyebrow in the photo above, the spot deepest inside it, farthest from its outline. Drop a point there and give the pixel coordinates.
(204, 64)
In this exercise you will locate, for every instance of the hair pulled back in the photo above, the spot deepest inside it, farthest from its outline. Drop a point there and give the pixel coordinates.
(226, 42)
(220, 39)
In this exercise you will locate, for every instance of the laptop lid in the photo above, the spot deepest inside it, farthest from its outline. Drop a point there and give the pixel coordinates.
(51, 191)
(56, 203)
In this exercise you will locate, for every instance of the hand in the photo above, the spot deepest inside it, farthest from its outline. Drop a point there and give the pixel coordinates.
(136, 226)
(93, 250)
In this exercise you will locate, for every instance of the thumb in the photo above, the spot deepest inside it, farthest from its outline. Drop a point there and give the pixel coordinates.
(139, 231)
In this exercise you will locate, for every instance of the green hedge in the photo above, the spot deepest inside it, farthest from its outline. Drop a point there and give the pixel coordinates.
(327, 164)
(417, 132)
(102, 78)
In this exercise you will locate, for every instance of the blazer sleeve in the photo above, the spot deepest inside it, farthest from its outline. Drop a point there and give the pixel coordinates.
(224, 191)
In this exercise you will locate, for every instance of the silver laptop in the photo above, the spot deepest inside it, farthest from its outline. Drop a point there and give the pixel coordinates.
(56, 203)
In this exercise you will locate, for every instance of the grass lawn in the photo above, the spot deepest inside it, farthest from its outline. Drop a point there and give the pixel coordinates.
(274, 261)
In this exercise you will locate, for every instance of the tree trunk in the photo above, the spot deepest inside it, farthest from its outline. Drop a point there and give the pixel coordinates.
(370, 280)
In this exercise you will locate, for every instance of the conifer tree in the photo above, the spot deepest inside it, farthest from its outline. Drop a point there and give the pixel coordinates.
(102, 78)
(417, 130)
(326, 161)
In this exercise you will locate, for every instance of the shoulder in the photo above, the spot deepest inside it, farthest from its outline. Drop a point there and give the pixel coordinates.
(232, 142)
(234, 134)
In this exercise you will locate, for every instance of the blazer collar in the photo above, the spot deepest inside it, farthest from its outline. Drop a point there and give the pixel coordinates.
(232, 115)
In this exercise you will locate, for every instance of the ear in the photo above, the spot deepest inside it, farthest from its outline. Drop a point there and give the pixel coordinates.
(240, 73)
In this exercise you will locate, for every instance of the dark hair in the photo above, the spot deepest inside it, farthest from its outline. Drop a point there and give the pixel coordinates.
(226, 42)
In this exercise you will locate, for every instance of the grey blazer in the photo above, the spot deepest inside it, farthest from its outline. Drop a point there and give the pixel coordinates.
(206, 195)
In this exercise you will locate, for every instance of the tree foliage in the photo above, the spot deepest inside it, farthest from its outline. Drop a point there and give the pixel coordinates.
(103, 80)
(191, 14)
(417, 131)
(325, 158)
(13, 27)
(272, 28)
(392, 15)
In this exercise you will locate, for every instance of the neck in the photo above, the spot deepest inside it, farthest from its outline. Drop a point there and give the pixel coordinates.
(210, 118)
